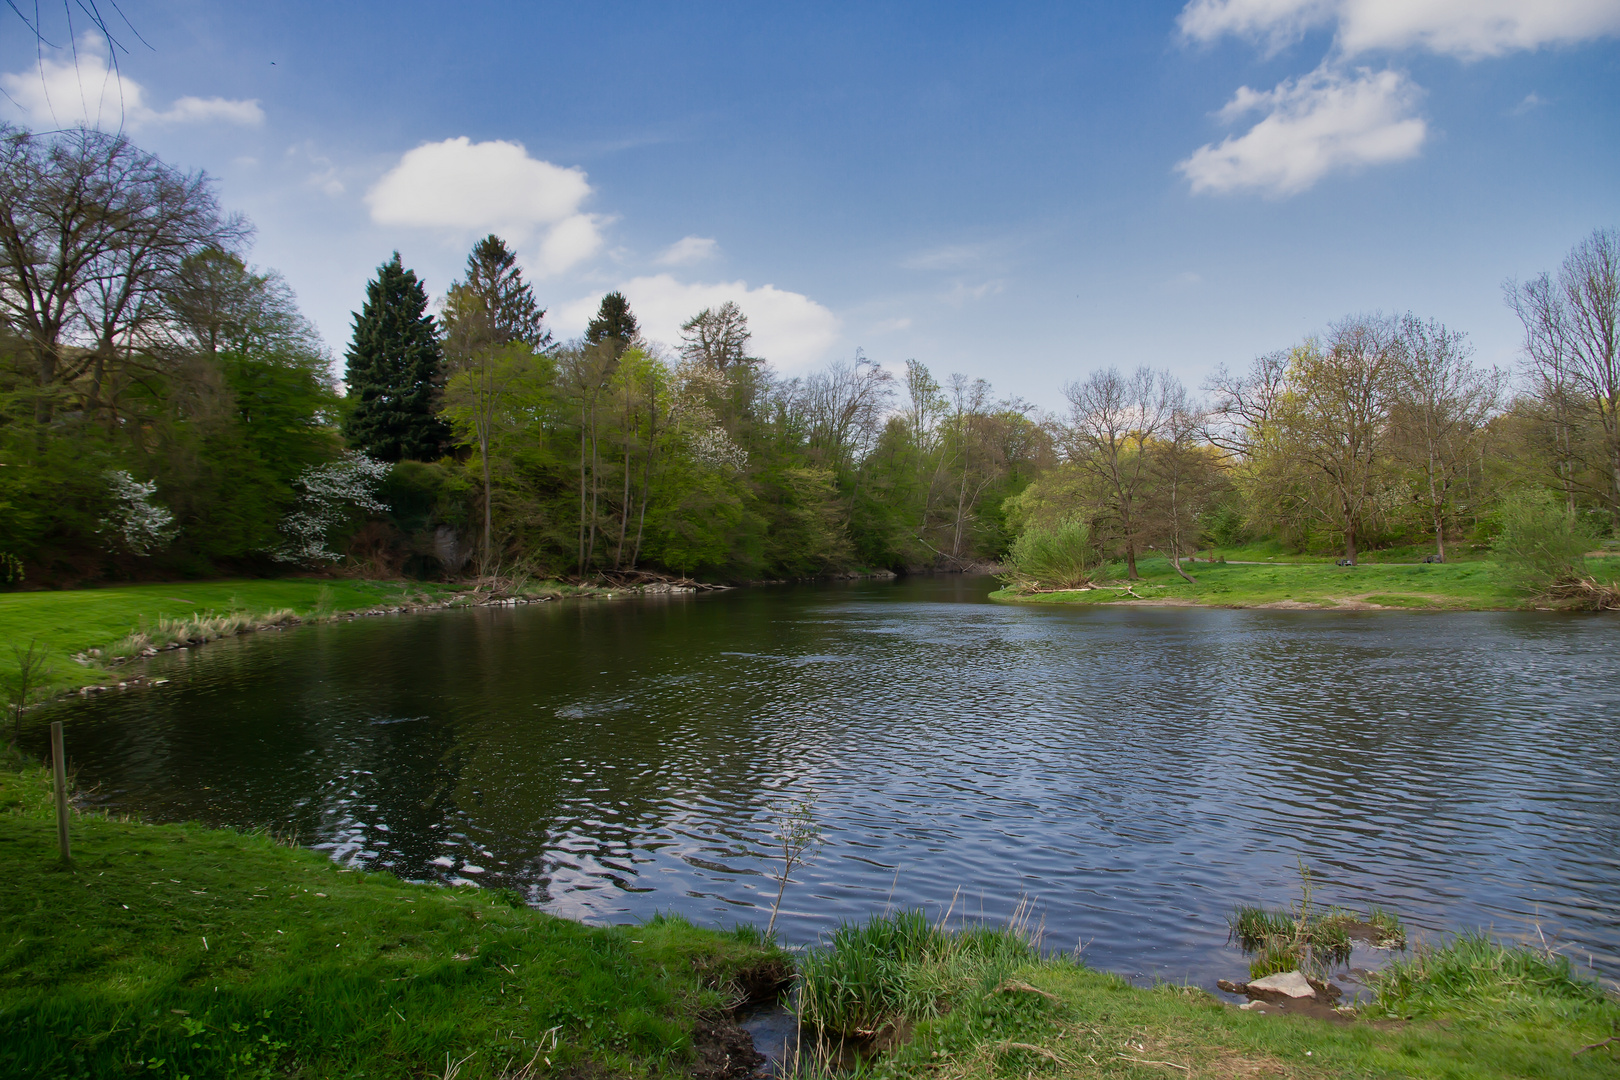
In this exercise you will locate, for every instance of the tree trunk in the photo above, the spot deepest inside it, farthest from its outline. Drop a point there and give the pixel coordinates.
(646, 483)
(483, 450)
(581, 567)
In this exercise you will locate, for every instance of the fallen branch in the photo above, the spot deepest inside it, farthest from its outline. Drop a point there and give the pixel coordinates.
(1145, 1061)
(1031, 1047)
(1014, 986)
(1599, 1045)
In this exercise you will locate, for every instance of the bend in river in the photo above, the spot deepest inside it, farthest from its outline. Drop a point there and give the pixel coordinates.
(1137, 771)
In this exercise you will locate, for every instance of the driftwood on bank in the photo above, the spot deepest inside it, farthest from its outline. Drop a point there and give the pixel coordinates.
(636, 579)
(1589, 593)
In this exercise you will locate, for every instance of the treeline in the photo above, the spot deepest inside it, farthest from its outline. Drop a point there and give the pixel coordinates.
(165, 409)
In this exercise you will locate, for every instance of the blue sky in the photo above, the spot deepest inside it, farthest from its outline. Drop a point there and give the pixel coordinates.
(1021, 192)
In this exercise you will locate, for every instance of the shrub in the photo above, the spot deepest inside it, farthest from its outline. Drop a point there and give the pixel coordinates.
(1056, 557)
(1539, 542)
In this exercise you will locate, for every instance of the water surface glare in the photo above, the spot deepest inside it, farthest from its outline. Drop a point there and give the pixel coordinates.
(1137, 770)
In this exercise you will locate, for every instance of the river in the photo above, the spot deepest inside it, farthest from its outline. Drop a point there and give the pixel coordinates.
(1135, 771)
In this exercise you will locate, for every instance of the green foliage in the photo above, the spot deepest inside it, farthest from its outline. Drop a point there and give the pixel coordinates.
(1538, 542)
(613, 322)
(1058, 557)
(395, 370)
(1476, 976)
(902, 967)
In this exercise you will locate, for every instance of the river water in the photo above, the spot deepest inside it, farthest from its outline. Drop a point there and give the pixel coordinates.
(1134, 771)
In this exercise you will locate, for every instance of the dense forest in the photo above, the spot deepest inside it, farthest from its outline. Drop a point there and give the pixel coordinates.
(165, 410)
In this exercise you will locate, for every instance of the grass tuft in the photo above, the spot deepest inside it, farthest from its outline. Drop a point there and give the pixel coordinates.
(1474, 975)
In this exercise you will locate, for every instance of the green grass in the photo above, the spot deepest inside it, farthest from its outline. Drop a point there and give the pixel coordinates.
(174, 951)
(981, 1003)
(1474, 585)
(1477, 978)
(73, 622)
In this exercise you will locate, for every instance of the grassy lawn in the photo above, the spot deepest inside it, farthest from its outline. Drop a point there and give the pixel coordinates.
(72, 621)
(981, 1002)
(181, 951)
(1458, 586)
(173, 951)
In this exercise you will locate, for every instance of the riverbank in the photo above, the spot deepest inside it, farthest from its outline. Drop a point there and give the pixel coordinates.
(1462, 586)
(89, 636)
(179, 950)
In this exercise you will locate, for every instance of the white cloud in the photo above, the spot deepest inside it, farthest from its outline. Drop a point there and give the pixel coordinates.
(790, 329)
(86, 90)
(1531, 102)
(890, 326)
(947, 257)
(1275, 22)
(468, 187)
(1325, 122)
(962, 292)
(1465, 28)
(688, 250)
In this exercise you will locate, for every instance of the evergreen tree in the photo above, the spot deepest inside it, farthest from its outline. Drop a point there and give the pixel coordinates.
(494, 278)
(613, 321)
(395, 371)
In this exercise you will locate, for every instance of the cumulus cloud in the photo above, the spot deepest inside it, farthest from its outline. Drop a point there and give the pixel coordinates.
(85, 90)
(467, 187)
(688, 250)
(790, 329)
(1464, 28)
(1326, 121)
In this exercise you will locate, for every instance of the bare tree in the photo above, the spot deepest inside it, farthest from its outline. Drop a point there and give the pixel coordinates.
(1572, 339)
(1113, 419)
(1442, 404)
(717, 337)
(1181, 460)
(91, 231)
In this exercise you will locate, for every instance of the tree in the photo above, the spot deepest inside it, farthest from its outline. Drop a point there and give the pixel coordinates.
(491, 327)
(1572, 339)
(395, 371)
(1113, 420)
(614, 323)
(718, 337)
(1184, 472)
(91, 230)
(1442, 404)
(506, 300)
(1332, 435)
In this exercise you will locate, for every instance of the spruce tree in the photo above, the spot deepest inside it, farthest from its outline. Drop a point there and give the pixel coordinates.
(395, 371)
(494, 277)
(613, 321)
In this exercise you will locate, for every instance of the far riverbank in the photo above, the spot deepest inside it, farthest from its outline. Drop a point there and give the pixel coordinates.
(1459, 586)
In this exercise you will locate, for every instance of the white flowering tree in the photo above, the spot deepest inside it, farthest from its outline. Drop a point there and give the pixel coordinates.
(136, 521)
(329, 495)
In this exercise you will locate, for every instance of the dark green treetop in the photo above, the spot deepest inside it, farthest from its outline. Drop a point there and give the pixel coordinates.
(613, 320)
(395, 371)
(494, 277)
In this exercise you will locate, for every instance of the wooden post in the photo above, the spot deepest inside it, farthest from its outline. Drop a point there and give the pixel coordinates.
(59, 766)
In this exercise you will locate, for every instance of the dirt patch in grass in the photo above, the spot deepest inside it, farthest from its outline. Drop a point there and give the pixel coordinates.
(723, 1051)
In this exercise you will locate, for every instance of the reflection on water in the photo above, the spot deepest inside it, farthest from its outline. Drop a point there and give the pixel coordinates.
(1137, 770)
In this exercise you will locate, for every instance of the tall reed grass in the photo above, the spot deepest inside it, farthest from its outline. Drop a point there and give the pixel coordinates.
(901, 966)
(1474, 975)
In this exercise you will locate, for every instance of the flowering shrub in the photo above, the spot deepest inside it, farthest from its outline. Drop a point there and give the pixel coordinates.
(142, 525)
(330, 494)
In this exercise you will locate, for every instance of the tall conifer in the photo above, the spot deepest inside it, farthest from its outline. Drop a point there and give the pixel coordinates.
(614, 322)
(395, 371)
